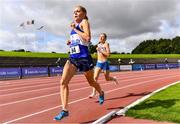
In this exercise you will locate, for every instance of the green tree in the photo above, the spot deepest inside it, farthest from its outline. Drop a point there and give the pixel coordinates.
(161, 46)
(92, 48)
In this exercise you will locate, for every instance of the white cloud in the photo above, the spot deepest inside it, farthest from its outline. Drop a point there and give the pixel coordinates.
(126, 22)
(56, 46)
(6, 40)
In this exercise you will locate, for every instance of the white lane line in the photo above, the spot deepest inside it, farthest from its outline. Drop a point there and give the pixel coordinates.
(27, 84)
(39, 89)
(29, 80)
(123, 111)
(24, 85)
(108, 116)
(77, 84)
(36, 113)
(23, 81)
(57, 93)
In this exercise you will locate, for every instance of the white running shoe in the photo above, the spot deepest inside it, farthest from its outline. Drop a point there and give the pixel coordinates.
(115, 80)
(92, 95)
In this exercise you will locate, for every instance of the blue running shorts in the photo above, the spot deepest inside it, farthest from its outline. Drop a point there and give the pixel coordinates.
(83, 64)
(103, 65)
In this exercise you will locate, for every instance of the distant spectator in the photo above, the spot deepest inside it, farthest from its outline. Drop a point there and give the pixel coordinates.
(178, 63)
(58, 62)
(166, 62)
(131, 61)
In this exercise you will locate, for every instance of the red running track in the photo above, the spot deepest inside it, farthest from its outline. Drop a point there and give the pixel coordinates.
(37, 100)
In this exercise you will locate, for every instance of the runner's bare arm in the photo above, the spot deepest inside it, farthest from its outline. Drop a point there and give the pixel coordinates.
(107, 52)
(86, 35)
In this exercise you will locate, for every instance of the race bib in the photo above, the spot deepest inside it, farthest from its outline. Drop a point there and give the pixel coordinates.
(74, 50)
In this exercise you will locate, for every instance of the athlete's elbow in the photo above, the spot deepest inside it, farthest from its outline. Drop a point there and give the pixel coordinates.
(88, 38)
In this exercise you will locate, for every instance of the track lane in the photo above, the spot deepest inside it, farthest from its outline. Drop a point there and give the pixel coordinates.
(54, 102)
(45, 92)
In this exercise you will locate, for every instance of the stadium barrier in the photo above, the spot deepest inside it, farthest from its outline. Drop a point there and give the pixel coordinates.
(21, 72)
(126, 67)
(29, 72)
(150, 66)
(34, 71)
(161, 66)
(10, 72)
(136, 67)
(114, 68)
(173, 65)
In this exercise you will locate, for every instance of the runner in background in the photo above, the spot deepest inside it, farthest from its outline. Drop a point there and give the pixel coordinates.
(103, 52)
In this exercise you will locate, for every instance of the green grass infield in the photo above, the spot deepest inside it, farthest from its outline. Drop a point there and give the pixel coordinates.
(64, 55)
(33, 54)
(163, 106)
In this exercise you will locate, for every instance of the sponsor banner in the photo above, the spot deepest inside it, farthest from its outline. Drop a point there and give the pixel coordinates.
(161, 66)
(173, 65)
(10, 72)
(31, 71)
(114, 67)
(150, 66)
(137, 67)
(125, 67)
(56, 70)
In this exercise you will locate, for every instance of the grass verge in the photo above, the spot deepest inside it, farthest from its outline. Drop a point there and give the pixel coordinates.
(163, 106)
(33, 54)
(64, 55)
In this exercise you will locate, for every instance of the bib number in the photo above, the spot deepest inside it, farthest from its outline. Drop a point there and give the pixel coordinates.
(74, 50)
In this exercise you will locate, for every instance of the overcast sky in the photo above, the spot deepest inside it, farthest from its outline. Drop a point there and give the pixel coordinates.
(126, 22)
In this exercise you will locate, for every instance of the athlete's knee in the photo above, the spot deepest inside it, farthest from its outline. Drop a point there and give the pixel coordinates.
(63, 83)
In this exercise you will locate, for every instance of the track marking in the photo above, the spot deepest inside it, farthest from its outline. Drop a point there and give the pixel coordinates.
(57, 93)
(25, 100)
(48, 82)
(75, 101)
(79, 84)
(108, 116)
(49, 79)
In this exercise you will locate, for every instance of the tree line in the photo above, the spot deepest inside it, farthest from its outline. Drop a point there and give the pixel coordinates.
(161, 46)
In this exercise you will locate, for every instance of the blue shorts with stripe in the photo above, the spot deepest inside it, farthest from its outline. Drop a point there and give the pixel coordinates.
(83, 64)
(103, 65)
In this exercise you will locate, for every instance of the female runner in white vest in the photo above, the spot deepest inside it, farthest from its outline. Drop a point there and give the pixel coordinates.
(103, 52)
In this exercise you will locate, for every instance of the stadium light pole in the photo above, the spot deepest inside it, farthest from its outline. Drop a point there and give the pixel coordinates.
(44, 35)
(58, 62)
(25, 40)
(42, 31)
(24, 37)
(34, 39)
(119, 62)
